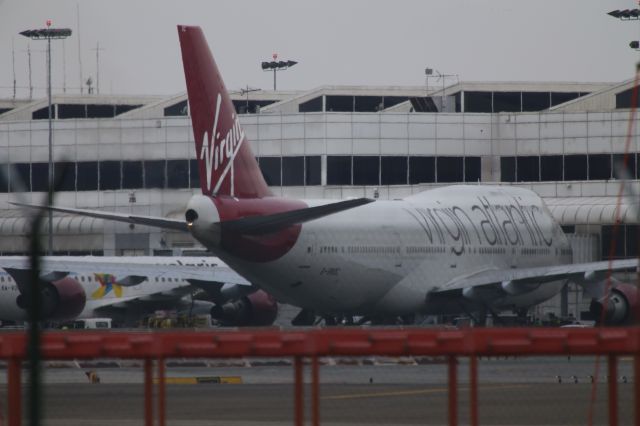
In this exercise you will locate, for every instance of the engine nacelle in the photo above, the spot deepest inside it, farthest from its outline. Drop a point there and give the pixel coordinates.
(63, 299)
(621, 306)
(256, 309)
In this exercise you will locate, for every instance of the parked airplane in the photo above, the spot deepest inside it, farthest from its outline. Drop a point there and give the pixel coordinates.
(128, 288)
(452, 249)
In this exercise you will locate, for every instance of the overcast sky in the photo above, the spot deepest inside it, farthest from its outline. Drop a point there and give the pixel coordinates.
(336, 42)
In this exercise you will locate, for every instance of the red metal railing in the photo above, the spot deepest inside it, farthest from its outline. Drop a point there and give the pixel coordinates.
(150, 346)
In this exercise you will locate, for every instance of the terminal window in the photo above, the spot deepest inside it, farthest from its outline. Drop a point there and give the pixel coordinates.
(472, 169)
(39, 177)
(449, 169)
(312, 105)
(422, 170)
(177, 174)
(368, 103)
(339, 103)
(109, 175)
(68, 171)
(366, 170)
(87, 176)
(293, 171)
(575, 167)
(558, 98)
(507, 102)
(551, 167)
(4, 172)
(154, 174)
(600, 167)
(177, 109)
(132, 175)
(623, 99)
(507, 169)
(618, 162)
(43, 113)
(271, 168)
(528, 168)
(478, 102)
(100, 111)
(72, 111)
(194, 174)
(394, 170)
(535, 101)
(338, 170)
(20, 177)
(312, 170)
(625, 241)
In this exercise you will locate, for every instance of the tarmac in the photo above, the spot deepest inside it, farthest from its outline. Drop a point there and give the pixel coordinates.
(364, 391)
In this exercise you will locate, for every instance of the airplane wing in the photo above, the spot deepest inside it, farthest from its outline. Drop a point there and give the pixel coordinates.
(130, 271)
(520, 280)
(256, 225)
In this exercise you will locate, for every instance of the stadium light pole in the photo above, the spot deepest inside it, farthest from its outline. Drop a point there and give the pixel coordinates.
(49, 34)
(626, 14)
(276, 66)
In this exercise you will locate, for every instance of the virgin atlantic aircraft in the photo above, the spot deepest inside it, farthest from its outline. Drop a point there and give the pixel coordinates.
(451, 249)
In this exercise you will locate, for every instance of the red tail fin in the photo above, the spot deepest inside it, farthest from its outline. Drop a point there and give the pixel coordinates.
(225, 161)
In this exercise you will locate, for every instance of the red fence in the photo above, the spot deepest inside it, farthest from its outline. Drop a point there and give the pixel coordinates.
(150, 346)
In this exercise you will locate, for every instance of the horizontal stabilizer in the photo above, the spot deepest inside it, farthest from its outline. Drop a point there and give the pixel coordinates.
(256, 225)
(157, 222)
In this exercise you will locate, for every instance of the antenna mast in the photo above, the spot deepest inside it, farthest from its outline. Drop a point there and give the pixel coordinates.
(13, 64)
(30, 83)
(79, 48)
(98, 49)
(64, 67)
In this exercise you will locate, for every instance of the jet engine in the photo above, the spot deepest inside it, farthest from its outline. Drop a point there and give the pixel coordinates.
(256, 309)
(62, 299)
(621, 305)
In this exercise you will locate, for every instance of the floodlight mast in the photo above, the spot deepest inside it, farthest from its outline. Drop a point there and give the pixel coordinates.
(276, 66)
(49, 34)
(626, 14)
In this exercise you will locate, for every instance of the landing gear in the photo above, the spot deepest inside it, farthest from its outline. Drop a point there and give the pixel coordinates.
(522, 316)
(305, 317)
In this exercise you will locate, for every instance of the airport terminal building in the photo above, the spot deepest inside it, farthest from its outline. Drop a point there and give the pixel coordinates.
(136, 154)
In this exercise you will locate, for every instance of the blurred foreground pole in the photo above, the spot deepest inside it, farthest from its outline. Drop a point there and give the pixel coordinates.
(14, 368)
(35, 302)
(453, 391)
(298, 389)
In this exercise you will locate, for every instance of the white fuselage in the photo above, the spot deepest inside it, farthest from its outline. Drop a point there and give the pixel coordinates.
(385, 257)
(102, 294)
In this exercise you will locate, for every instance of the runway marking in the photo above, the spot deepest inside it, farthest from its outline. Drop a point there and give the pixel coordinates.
(413, 392)
(202, 379)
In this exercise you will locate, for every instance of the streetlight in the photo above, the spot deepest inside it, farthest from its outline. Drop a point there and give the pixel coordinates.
(276, 66)
(49, 34)
(626, 14)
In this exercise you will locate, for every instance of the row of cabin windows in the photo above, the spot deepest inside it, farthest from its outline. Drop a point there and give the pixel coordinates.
(400, 170)
(565, 167)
